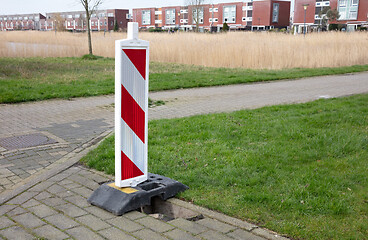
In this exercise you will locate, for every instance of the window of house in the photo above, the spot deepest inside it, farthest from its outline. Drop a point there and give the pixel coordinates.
(342, 3)
(244, 19)
(110, 14)
(146, 17)
(170, 16)
(353, 15)
(197, 16)
(348, 9)
(275, 13)
(215, 20)
(229, 14)
(70, 16)
(215, 10)
(77, 15)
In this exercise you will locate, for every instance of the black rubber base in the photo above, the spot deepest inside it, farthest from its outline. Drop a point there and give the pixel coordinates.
(122, 200)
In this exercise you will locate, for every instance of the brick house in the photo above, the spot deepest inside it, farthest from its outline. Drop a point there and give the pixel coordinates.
(237, 15)
(353, 13)
(21, 22)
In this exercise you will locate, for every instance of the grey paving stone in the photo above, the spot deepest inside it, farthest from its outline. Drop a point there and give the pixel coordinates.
(216, 225)
(53, 201)
(30, 203)
(22, 198)
(64, 194)
(240, 234)
(16, 232)
(5, 208)
(178, 234)
(84, 181)
(28, 220)
(97, 178)
(125, 224)
(17, 211)
(42, 211)
(83, 191)
(59, 177)
(214, 235)
(82, 233)
(115, 234)
(72, 185)
(78, 200)
(49, 232)
(147, 234)
(41, 186)
(100, 213)
(133, 215)
(189, 226)
(42, 195)
(56, 189)
(62, 222)
(65, 182)
(5, 222)
(71, 210)
(93, 222)
(155, 224)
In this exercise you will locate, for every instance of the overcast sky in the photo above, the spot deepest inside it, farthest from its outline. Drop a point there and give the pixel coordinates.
(43, 6)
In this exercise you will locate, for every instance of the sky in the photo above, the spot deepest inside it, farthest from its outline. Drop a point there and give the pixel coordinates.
(44, 6)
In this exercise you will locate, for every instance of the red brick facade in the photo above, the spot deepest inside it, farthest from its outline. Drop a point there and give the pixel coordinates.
(73, 21)
(313, 20)
(238, 15)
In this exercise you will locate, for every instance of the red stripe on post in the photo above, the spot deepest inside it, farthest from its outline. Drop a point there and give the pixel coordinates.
(128, 168)
(138, 58)
(132, 113)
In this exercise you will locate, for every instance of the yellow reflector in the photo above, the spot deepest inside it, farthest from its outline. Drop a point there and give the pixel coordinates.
(127, 190)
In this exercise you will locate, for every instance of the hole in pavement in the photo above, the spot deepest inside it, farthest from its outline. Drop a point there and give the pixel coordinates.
(167, 211)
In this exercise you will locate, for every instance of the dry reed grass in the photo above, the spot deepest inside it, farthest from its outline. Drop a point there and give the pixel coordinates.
(237, 49)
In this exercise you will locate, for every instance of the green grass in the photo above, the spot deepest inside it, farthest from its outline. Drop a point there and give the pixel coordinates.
(33, 79)
(300, 170)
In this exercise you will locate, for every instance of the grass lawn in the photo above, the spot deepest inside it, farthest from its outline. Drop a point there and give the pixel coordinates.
(32, 79)
(300, 170)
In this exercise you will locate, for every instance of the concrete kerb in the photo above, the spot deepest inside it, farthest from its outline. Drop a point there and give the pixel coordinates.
(64, 163)
(265, 233)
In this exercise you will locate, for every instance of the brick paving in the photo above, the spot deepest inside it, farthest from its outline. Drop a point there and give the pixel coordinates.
(58, 209)
(43, 193)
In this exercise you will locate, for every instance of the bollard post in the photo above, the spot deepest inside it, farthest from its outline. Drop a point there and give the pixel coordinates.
(131, 108)
(132, 189)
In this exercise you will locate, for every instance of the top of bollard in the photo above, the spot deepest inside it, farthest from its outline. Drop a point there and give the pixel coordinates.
(133, 30)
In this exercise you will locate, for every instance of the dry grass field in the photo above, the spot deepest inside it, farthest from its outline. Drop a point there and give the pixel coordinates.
(235, 49)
